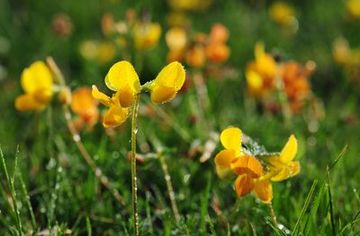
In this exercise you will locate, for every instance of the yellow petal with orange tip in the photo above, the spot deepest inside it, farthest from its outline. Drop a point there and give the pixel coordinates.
(231, 139)
(247, 165)
(171, 78)
(123, 78)
(222, 162)
(263, 190)
(36, 77)
(244, 184)
(27, 102)
(115, 116)
(101, 97)
(289, 151)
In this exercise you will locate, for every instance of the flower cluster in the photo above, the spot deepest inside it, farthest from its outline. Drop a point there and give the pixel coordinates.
(253, 174)
(200, 48)
(265, 76)
(124, 81)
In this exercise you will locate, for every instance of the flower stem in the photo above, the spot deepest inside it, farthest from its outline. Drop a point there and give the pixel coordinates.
(169, 187)
(133, 166)
(273, 215)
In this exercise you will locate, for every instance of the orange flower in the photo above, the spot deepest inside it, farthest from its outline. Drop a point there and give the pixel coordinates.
(84, 105)
(219, 33)
(217, 52)
(249, 171)
(296, 84)
(195, 56)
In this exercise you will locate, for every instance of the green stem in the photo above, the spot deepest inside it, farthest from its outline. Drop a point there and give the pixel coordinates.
(133, 165)
(273, 215)
(169, 187)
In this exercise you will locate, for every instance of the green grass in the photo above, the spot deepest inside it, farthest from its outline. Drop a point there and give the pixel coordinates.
(47, 185)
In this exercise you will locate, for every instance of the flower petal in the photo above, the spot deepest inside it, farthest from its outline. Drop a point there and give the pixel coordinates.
(115, 116)
(37, 77)
(27, 102)
(101, 97)
(123, 78)
(263, 190)
(244, 184)
(222, 162)
(162, 94)
(172, 75)
(289, 151)
(231, 139)
(247, 165)
(287, 171)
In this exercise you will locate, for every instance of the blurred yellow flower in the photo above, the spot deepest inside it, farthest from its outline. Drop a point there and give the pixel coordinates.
(260, 74)
(176, 38)
(37, 83)
(283, 167)
(341, 51)
(146, 35)
(84, 105)
(353, 8)
(282, 13)
(168, 82)
(106, 51)
(189, 5)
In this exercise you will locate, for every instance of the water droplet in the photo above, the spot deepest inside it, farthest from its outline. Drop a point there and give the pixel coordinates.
(76, 137)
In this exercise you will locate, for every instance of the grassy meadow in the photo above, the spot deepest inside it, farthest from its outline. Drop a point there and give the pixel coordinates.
(63, 173)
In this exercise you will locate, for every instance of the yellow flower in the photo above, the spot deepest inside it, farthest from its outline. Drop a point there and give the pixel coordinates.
(230, 138)
(123, 79)
(283, 167)
(167, 83)
(247, 168)
(176, 38)
(146, 35)
(353, 8)
(260, 74)
(282, 13)
(37, 82)
(341, 51)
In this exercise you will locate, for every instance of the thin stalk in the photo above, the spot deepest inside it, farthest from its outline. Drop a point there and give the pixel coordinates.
(284, 101)
(28, 203)
(11, 185)
(135, 110)
(87, 158)
(169, 187)
(273, 215)
(77, 138)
